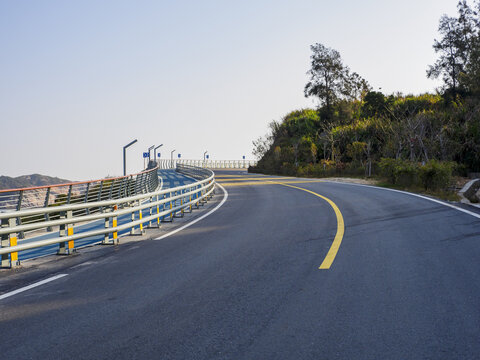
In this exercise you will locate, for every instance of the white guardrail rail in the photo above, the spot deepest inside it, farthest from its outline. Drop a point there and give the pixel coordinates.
(208, 164)
(26, 214)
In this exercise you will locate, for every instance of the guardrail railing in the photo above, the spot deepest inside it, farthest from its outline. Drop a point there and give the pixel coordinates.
(209, 164)
(78, 192)
(148, 205)
(16, 200)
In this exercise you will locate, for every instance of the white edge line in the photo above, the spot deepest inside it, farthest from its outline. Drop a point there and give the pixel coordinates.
(225, 197)
(11, 293)
(411, 194)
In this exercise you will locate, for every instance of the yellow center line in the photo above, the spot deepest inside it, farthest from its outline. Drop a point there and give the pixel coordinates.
(327, 262)
(249, 183)
(253, 178)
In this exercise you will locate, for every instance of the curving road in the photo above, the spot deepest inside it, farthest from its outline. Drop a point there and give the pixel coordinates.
(245, 283)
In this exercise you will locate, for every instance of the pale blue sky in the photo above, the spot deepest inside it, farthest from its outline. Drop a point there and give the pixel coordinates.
(80, 79)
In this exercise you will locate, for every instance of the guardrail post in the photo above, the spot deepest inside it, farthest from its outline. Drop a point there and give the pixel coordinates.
(100, 190)
(140, 216)
(190, 199)
(210, 186)
(202, 199)
(19, 207)
(150, 212)
(114, 225)
(110, 192)
(106, 236)
(163, 208)
(132, 217)
(181, 203)
(69, 196)
(45, 204)
(106, 239)
(85, 200)
(197, 196)
(9, 260)
(66, 247)
(158, 212)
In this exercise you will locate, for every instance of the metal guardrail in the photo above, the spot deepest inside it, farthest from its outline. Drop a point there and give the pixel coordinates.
(193, 171)
(161, 205)
(16, 200)
(78, 192)
(209, 164)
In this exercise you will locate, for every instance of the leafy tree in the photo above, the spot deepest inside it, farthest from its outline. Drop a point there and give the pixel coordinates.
(470, 80)
(330, 80)
(455, 47)
(374, 104)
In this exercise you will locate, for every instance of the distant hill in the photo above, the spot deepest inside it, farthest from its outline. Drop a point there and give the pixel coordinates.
(7, 182)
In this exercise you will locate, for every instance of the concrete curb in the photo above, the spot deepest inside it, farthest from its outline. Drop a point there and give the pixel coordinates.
(464, 192)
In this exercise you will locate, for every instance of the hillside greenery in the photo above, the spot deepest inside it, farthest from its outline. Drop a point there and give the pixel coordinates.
(410, 140)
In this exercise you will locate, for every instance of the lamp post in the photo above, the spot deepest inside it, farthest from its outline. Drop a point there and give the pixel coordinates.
(150, 149)
(124, 156)
(171, 158)
(155, 152)
(204, 157)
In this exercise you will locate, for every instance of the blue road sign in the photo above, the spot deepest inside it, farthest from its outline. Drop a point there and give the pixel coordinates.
(158, 155)
(145, 155)
(179, 156)
(243, 157)
(208, 156)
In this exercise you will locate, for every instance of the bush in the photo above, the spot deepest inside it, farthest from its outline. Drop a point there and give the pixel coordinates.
(288, 169)
(436, 175)
(387, 168)
(406, 174)
(399, 172)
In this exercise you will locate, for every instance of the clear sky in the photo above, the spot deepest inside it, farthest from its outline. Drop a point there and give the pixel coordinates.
(80, 79)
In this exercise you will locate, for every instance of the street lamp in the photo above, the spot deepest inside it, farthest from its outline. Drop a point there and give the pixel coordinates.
(155, 152)
(150, 149)
(124, 156)
(171, 158)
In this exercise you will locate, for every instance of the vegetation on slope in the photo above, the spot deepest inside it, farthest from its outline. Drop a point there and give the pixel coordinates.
(409, 140)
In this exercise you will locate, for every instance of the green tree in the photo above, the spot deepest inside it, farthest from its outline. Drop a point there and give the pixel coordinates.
(374, 104)
(331, 80)
(455, 48)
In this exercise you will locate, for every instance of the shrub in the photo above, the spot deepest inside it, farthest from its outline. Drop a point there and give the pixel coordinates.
(399, 172)
(288, 169)
(436, 175)
(406, 173)
(387, 168)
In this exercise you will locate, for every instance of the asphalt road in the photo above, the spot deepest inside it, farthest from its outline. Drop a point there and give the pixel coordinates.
(245, 283)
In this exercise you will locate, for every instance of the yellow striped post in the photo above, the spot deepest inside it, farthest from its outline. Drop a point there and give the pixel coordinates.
(140, 218)
(114, 225)
(71, 243)
(70, 232)
(9, 260)
(66, 248)
(115, 234)
(13, 255)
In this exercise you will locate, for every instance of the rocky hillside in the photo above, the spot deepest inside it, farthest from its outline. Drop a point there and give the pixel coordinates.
(23, 181)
